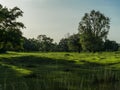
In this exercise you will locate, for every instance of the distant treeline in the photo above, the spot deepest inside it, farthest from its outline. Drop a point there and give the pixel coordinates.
(69, 44)
(92, 35)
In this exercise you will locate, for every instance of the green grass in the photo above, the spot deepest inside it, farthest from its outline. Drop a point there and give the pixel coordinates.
(60, 71)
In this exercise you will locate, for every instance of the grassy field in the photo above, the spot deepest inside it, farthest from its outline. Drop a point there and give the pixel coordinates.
(60, 71)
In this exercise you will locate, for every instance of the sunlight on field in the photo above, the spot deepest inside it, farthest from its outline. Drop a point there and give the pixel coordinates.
(20, 71)
(60, 71)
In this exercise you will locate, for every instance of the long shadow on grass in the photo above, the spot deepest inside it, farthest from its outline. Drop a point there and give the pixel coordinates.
(39, 64)
(60, 74)
(32, 62)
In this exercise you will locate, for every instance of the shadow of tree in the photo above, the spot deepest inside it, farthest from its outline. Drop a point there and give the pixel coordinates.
(57, 74)
(44, 63)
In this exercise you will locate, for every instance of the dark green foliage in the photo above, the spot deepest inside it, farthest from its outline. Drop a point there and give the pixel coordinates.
(70, 44)
(46, 43)
(11, 36)
(63, 45)
(111, 45)
(42, 43)
(31, 45)
(91, 43)
(93, 29)
(74, 43)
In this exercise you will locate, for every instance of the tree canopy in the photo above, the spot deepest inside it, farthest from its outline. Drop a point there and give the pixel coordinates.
(93, 30)
(10, 29)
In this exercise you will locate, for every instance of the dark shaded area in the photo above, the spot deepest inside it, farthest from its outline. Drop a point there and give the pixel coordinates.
(10, 29)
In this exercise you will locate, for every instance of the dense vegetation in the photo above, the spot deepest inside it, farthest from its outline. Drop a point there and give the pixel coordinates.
(10, 34)
(69, 44)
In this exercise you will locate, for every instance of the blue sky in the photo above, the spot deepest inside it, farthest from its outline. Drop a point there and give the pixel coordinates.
(56, 18)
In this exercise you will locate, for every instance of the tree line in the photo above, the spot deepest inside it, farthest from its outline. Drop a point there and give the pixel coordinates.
(69, 44)
(46, 44)
(92, 35)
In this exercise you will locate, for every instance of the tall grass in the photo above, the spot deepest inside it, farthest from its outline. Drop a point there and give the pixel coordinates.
(60, 71)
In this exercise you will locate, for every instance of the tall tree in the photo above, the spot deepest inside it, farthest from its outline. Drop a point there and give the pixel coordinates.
(10, 28)
(93, 29)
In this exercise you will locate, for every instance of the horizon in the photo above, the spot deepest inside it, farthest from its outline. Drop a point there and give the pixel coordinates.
(56, 18)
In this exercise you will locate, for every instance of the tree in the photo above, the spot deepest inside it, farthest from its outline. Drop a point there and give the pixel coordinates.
(46, 43)
(74, 43)
(111, 45)
(42, 43)
(93, 30)
(31, 44)
(63, 45)
(10, 29)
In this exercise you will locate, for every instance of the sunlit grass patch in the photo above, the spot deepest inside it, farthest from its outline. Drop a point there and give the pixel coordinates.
(60, 71)
(18, 70)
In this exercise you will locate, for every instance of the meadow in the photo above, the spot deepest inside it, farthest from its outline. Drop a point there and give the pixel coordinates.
(60, 71)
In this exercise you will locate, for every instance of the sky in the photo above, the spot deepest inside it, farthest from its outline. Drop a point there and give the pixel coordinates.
(56, 18)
